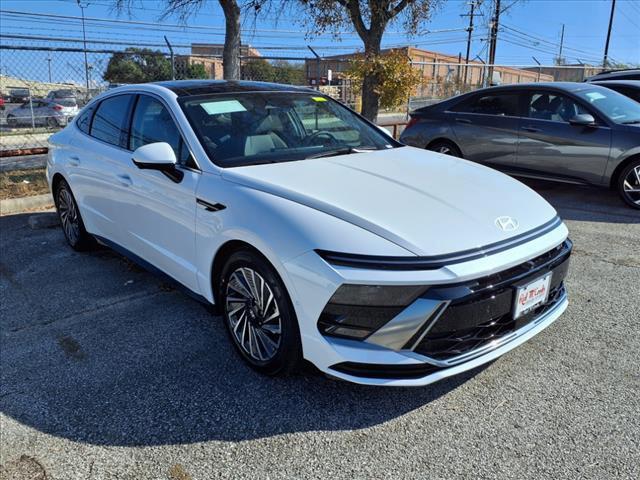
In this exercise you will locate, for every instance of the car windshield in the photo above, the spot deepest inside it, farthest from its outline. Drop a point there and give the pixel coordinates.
(615, 106)
(266, 127)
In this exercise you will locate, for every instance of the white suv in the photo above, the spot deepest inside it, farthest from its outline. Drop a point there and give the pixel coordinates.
(315, 234)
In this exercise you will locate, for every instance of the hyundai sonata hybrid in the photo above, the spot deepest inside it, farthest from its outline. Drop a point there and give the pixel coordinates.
(313, 232)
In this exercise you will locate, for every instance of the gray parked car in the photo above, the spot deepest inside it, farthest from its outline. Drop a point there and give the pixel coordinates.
(42, 112)
(571, 132)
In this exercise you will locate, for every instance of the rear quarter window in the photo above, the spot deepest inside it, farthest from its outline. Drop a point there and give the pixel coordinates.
(84, 120)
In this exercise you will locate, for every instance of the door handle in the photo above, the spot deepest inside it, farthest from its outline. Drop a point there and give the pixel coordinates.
(74, 161)
(124, 179)
(463, 120)
(531, 129)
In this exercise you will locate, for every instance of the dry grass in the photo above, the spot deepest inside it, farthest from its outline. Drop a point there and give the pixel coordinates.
(23, 183)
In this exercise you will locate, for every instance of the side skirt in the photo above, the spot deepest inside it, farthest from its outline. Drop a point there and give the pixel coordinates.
(153, 269)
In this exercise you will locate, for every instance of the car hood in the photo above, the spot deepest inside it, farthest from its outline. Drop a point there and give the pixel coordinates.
(428, 203)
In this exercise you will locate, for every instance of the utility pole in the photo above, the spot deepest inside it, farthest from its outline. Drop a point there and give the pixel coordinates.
(472, 6)
(605, 61)
(494, 39)
(560, 62)
(84, 41)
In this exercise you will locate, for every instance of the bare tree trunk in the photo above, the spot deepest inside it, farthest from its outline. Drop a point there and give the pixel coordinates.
(231, 52)
(370, 98)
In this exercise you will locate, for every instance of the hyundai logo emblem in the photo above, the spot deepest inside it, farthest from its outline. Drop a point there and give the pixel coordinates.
(506, 224)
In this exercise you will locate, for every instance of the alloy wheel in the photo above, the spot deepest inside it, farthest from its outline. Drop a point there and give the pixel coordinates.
(445, 150)
(253, 314)
(631, 185)
(69, 215)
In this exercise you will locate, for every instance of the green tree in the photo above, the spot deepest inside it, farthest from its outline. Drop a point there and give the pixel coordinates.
(398, 79)
(193, 71)
(369, 18)
(137, 65)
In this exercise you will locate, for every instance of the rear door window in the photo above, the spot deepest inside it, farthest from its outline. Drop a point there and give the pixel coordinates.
(111, 119)
(500, 104)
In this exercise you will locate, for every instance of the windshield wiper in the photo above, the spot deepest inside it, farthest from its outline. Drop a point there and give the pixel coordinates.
(340, 151)
(631, 122)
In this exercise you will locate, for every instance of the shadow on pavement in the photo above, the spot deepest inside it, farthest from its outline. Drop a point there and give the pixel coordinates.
(96, 350)
(585, 203)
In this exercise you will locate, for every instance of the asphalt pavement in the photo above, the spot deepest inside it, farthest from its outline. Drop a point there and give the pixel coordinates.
(107, 372)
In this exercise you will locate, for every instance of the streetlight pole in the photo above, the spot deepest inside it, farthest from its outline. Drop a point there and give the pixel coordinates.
(49, 62)
(84, 41)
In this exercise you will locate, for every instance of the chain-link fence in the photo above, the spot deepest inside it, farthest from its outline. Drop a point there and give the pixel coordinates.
(43, 83)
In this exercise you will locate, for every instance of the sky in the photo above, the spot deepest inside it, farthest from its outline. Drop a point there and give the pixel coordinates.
(529, 28)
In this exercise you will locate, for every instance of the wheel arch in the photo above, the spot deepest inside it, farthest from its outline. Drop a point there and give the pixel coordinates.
(444, 140)
(618, 170)
(55, 183)
(220, 258)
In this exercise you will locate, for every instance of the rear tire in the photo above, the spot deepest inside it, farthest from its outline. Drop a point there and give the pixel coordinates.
(629, 184)
(12, 121)
(259, 315)
(445, 147)
(71, 220)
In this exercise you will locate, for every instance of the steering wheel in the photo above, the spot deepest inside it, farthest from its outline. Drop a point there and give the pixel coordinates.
(310, 140)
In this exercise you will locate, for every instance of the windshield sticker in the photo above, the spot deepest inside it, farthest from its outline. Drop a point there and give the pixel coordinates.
(225, 106)
(318, 99)
(594, 96)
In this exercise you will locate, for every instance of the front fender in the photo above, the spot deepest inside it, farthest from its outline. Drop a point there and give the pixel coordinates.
(278, 228)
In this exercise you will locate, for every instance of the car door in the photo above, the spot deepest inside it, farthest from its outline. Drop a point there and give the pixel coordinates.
(486, 127)
(550, 144)
(161, 218)
(97, 167)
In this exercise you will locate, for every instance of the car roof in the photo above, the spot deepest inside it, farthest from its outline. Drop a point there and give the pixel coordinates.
(566, 86)
(626, 83)
(186, 88)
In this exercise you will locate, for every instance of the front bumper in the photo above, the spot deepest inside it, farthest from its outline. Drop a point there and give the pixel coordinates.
(387, 360)
(492, 352)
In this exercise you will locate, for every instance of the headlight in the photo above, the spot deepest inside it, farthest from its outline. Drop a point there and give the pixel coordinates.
(356, 311)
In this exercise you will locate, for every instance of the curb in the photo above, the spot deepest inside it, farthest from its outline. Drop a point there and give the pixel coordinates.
(17, 205)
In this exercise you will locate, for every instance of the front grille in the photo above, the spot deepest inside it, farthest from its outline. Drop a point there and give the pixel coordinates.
(481, 311)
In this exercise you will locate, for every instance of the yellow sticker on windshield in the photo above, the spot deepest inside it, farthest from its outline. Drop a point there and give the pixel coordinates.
(318, 99)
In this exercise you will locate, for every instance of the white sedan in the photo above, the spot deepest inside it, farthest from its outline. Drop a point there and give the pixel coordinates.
(315, 234)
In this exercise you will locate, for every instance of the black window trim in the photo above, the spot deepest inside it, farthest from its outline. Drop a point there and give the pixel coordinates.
(135, 93)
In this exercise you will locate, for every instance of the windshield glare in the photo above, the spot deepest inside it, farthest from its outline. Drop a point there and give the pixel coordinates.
(615, 106)
(264, 127)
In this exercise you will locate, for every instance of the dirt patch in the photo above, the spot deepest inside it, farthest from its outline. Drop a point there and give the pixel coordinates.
(177, 472)
(24, 468)
(23, 183)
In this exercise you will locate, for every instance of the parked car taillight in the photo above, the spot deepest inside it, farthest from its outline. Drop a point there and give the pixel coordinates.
(412, 121)
(58, 107)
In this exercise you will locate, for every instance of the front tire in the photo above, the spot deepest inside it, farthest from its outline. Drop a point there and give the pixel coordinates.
(259, 314)
(71, 220)
(629, 184)
(446, 148)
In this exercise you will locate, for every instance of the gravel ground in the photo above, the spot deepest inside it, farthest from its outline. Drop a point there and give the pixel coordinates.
(109, 373)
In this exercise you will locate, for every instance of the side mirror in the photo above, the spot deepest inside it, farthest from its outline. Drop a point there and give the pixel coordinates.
(158, 156)
(583, 120)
